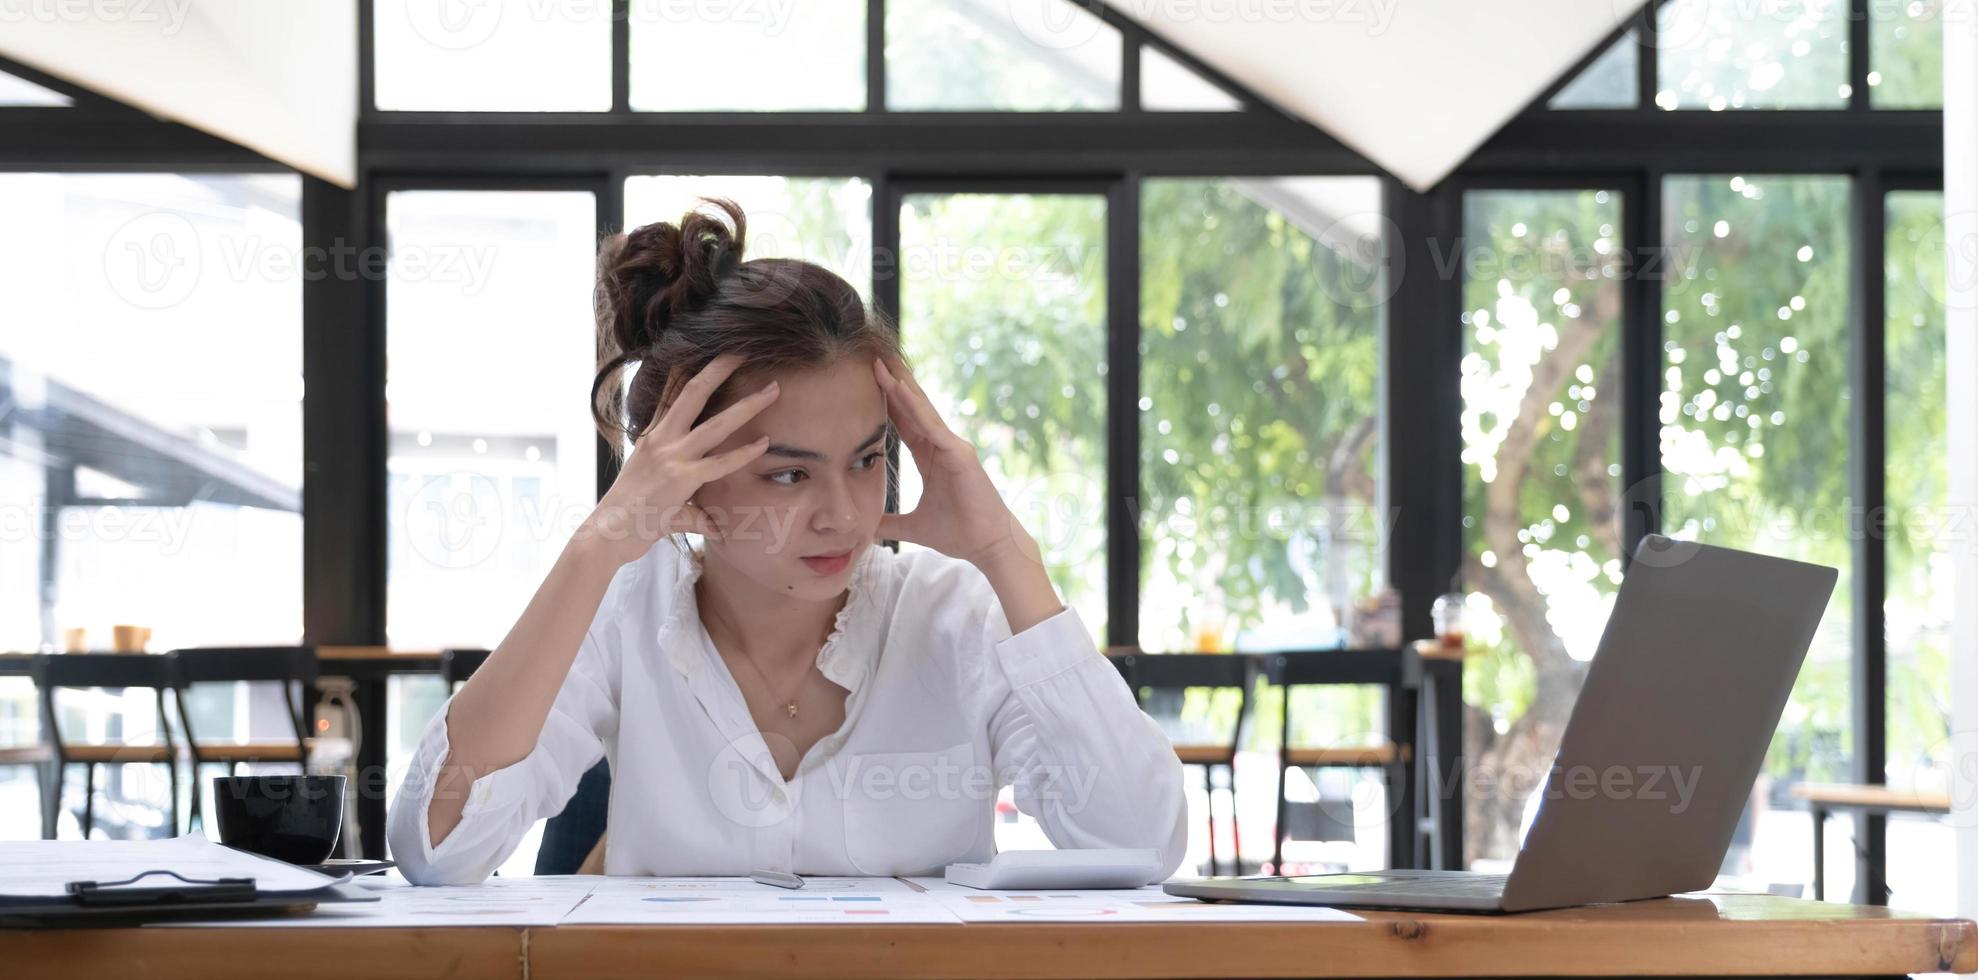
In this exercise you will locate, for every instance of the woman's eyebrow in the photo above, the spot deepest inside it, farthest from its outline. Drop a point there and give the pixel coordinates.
(792, 452)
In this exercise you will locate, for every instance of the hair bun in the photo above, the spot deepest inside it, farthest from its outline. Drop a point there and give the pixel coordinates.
(656, 272)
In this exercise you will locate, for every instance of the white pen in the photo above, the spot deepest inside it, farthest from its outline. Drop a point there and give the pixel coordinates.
(781, 879)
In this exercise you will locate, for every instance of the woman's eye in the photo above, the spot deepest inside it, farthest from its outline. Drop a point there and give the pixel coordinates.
(869, 461)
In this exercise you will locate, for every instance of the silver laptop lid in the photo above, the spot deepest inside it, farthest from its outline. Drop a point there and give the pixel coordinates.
(1671, 726)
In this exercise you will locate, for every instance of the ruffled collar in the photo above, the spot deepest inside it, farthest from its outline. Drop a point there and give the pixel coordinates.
(845, 657)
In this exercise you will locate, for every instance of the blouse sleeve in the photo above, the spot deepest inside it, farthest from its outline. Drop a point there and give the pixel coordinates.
(503, 804)
(1084, 760)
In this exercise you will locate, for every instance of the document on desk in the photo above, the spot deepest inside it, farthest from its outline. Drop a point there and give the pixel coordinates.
(1147, 903)
(36, 870)
(742, 901)
(520, 901)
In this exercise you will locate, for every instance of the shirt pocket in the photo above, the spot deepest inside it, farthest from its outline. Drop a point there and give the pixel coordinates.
(913, 812)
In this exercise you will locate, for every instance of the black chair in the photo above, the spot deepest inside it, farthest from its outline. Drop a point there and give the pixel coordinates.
(1145, 672)
(568, 837)
(458, 664)
(47, 777)
(294, 668)
(1391, 756)
(54, 671)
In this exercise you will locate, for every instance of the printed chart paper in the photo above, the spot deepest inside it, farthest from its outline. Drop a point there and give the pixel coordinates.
(1147, 903)
(742, 901)
(494, 902)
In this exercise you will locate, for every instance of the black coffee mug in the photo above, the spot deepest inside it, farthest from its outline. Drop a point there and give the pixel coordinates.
(291, 818)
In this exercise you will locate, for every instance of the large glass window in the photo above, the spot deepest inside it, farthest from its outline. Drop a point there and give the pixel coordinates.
(1612, 81)
(1541, 425)
(1918, 603)
(150, 445)
(151, 362)
(1167, 84)
(1260, 317)
(20, 724)
(493, 454)
(1735, 54)
(740, 56)
(470, 57)
(1260, 339)
(999, 54)
(1003, 313)
(1906, 54)
(1755, 413)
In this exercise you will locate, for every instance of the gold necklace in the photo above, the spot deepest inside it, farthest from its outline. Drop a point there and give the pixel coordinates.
(790, 703)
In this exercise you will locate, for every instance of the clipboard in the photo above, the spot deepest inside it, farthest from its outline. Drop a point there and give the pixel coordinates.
(127, 902)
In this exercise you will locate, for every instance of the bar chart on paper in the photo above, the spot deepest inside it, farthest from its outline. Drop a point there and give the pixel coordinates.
(1145, 904)
(621, 901)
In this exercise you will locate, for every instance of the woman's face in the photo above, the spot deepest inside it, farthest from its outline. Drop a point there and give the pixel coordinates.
(818, 490)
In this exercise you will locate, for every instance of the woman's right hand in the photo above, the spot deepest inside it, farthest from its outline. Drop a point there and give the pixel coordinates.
(649, 500)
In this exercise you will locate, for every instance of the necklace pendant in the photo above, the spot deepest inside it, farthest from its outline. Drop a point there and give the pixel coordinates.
(793, 708)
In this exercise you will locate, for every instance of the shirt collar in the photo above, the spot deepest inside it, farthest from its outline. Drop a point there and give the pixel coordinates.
(847, 655)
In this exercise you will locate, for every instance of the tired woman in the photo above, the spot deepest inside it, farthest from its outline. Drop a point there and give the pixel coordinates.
(792, 695)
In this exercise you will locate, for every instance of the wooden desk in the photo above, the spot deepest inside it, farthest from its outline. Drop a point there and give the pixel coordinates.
(1838, 796)
(1824, 798)
(1713, 934)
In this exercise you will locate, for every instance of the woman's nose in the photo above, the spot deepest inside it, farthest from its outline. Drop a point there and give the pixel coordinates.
(836, 510)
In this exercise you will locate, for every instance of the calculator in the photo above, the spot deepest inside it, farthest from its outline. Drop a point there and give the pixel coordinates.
(1096, 867)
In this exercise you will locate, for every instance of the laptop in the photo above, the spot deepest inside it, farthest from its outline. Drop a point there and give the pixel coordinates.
(1657, 760)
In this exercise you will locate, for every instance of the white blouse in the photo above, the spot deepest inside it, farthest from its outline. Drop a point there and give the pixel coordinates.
(945, 708)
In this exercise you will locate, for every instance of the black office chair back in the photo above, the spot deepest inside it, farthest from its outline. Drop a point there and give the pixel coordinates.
(1175, 672)
(52, 671)
(459, 663)
(1294, 668)
(1167, 671)
(218, 664)
(294, 667)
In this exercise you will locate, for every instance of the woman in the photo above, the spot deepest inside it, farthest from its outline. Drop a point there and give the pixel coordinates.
(792, 696)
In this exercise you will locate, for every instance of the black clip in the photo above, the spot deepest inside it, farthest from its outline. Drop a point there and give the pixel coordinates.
(195, 891)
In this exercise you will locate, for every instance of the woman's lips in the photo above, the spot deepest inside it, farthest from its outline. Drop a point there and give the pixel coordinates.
(828, 564)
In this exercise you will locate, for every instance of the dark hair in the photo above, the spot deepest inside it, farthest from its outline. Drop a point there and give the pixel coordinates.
(672, 298)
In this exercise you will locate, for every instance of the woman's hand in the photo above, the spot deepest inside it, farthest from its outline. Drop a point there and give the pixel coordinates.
(960, 514)
(649, 500)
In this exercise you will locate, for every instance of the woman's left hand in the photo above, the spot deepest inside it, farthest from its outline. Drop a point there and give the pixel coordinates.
(960, 514)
